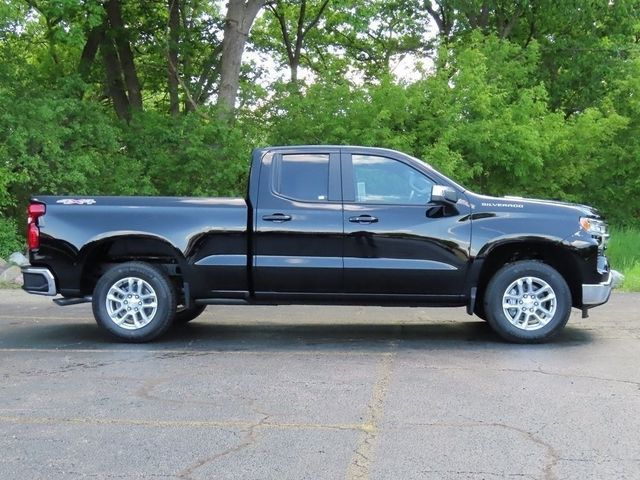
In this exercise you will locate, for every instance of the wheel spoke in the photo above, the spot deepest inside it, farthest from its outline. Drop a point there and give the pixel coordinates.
(550, 296)
(522, 318)
(544, 310)
(121, 320)
(543, 289)
(118, 290)
(519, 287)
(529, 282)
(540, 320)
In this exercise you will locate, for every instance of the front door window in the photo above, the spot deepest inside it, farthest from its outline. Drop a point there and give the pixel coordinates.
(381, 180)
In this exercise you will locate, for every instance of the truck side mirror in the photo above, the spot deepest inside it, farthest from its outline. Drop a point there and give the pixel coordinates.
(443, 194)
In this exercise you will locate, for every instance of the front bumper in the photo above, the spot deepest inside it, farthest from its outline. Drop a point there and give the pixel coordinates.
(597, 294)
(38, 280)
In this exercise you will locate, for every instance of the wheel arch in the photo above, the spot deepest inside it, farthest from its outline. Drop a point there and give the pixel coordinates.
(96, 257)
(549, 252)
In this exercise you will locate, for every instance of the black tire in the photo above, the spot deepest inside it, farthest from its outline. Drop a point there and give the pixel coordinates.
(501, 321)
(184, 315)
(158, 287)
(479, 311)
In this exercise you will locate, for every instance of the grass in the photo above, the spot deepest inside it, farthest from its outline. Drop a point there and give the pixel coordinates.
(624, 256)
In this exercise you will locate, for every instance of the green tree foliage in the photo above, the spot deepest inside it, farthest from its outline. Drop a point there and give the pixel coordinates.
(537, 98)
(481, 117)
(336, 35)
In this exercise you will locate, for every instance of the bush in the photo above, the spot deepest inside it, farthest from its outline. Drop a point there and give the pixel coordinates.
(190, 155)
(9, 240)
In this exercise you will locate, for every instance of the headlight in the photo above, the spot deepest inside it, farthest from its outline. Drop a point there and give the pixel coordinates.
(596, 228)
(592, 226)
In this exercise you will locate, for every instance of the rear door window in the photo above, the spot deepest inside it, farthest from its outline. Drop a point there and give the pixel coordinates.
(303, 177)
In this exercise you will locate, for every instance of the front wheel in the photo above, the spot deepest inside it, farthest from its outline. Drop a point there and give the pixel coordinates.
(134, 301)
(527, 302)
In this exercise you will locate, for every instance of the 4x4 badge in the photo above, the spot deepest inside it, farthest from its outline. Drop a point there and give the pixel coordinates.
(76, 201)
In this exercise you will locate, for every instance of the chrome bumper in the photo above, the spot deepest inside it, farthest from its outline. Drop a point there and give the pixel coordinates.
(597, 294)
(39, 281)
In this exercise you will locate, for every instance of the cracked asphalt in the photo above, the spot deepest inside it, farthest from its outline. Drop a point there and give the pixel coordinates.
(317, 393)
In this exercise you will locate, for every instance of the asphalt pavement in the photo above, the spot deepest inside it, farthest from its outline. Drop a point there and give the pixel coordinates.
(317, 393)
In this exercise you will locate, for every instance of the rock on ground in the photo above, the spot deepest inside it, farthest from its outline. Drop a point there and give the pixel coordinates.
(18, 258)
(12, 274)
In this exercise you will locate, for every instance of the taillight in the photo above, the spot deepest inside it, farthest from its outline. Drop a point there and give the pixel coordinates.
(34, 211)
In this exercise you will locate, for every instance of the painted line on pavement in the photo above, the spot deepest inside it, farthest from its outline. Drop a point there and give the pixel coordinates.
(194, 352)
(178, 423)
(363, 456)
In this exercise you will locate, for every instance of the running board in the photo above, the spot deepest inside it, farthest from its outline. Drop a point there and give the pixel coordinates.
(63, 302)
(221, 301)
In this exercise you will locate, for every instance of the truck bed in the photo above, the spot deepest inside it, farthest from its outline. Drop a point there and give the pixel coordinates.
(209, 233)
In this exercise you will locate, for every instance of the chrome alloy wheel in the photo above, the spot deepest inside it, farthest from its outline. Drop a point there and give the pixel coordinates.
(529, 303)
(131, 303)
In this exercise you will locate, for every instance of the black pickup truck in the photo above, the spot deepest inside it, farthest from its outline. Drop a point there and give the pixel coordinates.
(322, 225)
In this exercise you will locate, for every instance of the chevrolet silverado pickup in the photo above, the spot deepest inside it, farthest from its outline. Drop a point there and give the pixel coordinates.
(321, 225)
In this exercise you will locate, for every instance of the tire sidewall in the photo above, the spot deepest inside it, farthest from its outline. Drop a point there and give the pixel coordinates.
(165, 294)
(498, 286)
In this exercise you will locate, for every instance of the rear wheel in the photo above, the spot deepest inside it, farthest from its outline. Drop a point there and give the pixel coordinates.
(184, 315)
(134, 301)
(527, 302)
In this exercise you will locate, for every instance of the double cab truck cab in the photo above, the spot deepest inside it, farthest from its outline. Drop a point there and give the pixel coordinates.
(321, 225)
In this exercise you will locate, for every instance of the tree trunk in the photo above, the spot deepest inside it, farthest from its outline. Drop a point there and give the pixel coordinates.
(94, 39)
(114, 13)
(300, 34)
(441, 17)
(172, 56)
(294, 65)
(115, 87)
(238, 22)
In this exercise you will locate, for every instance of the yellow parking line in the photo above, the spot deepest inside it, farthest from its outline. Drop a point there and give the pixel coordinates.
(363, 456)
(13, 317)
(194, 352)
(180, 423)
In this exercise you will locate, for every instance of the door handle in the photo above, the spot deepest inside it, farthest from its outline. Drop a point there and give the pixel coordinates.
(363, 219)
(276, 217)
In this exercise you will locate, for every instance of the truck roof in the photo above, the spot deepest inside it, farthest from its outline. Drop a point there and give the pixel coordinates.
(332, 147)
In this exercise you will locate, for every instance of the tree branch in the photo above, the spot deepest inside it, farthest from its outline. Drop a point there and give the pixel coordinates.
(282, 21)
(317, 18)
